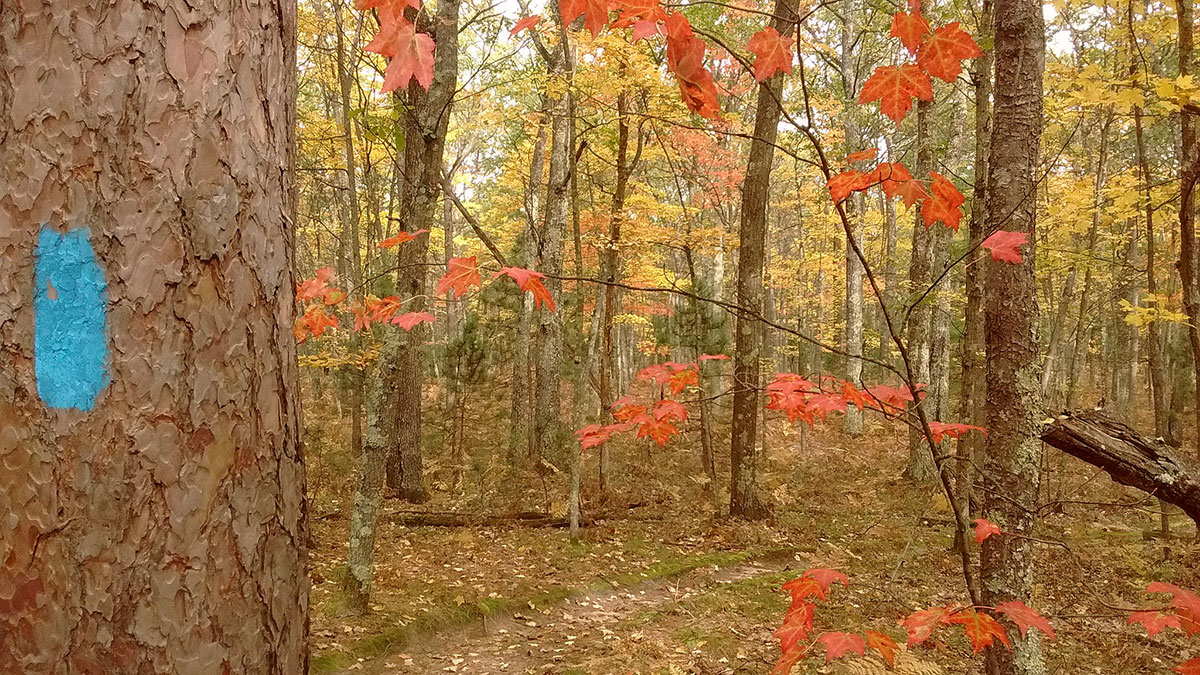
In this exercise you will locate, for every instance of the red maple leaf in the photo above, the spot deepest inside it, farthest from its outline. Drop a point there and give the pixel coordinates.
(837, 644)
(1025, 617)
(314, 322)
(945, 204)
(714, 357)
(894, 87)
(527, 22)
(853, 395)
(911, 28)
(981, 629)
(1004, 245)
(826, 577)
(1185, 602)
(952, 429)
(985, 528)
(595, 13)
(796, 626)
(410, 320)
(411, 53)
(461, 275)
(883, 644)
(846, 182)
(400, 238)
(788, 660)
(315, 287)
(643, 15)
(531, 281)
(658, 431)
(667, 409)
(1154, 621)
(803, 587)
(593, 435)
(920, 624)
(682, 379)
(772, 53)
(869, 153)
(941, 54)
(685, 58)
(626, 408)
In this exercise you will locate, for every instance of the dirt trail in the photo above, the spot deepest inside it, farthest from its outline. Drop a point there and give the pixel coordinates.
(581, 634)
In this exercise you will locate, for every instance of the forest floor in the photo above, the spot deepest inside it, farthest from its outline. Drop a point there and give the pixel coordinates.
(660, 586)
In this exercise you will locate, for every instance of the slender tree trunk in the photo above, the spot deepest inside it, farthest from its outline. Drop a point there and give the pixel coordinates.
(920, 467)
(1078, 357)
(1154, 350)
(1054, 348)
(611, 274)
(1013, 459)
(519, 437)
(745, 498)
(972, 410)
(153, 487)
(548, 432)
(853, 334)
(393, 442)
(352, 235)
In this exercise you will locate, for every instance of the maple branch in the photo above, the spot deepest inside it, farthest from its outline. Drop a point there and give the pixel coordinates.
(479, 232)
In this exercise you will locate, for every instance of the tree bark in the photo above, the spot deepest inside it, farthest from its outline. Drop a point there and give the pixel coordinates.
(153, 488)
(972, 410)
(1189, 259)
(519, 437)
(853, 333)
(745, 498)
(392, 447)
(1128, 457)
(1013, 457)
(920, 467)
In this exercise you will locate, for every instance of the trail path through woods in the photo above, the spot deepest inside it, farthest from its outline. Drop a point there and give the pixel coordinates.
(585, 633)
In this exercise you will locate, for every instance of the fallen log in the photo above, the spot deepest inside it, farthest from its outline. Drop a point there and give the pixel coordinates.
(1128, 457)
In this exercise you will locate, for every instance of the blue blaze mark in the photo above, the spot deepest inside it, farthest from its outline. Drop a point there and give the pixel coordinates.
(69, 339)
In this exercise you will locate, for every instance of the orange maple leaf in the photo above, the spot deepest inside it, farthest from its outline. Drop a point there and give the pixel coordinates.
(941, 54)
(945, 205)
(981, 629)
(846, 182)
(400, 238)
(911, 28)
(527, 22)
(410, 320)
(461, 275)
(894, 87)
(772, 53)
(595, 13)
(837, 644)
(883, 644)
(411, 53)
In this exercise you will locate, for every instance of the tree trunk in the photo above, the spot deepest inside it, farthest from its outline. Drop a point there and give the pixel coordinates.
(152, 484)
(393, 442)
(1013, 456)
(1190, 161)
(745, 498)
(853, 334)
(972, 410)
(920, 464)
(611, 274)
(548, 432)
(518, 437)
(351, 236)
(1082, 342)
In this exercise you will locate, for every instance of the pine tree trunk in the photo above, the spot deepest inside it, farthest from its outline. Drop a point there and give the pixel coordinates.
(1013, 456)
(745, 498)
(153, 488)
